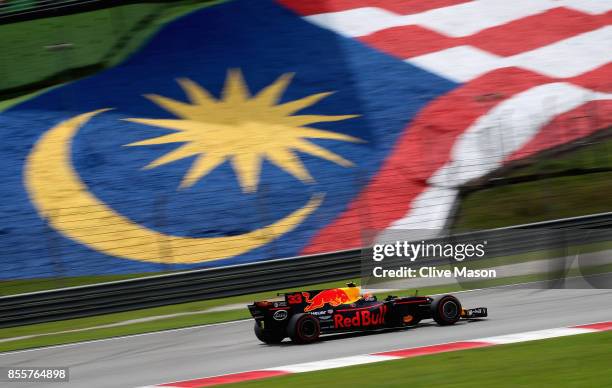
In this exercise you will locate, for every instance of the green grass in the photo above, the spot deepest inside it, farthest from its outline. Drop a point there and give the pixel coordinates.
(536, 201)
(594, 155)
(544, 199)
(13, 287)
(136, 328)
(99, 38)
(575, 361)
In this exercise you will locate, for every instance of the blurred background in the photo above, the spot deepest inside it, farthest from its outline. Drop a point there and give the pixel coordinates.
(444, 118)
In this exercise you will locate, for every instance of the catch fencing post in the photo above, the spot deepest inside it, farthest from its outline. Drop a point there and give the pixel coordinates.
(54, 250)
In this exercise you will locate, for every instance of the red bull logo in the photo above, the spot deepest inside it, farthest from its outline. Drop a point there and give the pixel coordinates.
(362, 318)
(334, 297)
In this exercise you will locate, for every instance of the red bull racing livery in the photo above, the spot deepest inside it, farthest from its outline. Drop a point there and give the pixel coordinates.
(304, 316)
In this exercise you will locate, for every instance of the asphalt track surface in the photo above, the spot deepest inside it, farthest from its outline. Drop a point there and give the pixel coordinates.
(231, 347)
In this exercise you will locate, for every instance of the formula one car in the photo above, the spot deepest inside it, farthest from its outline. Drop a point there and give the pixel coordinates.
(304, 315)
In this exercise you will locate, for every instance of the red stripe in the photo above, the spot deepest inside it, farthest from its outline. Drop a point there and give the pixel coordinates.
(567, 127)
(421, 150)
(403, 7)
(435, 349)
(408, 41)
(536, 31)
(599, 79)
(505, 40)
(603, 326)
(226, 379)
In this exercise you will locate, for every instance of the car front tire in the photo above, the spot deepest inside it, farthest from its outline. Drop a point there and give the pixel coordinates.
(446, 310)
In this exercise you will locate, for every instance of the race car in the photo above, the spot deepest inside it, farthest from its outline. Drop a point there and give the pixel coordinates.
(304, 316)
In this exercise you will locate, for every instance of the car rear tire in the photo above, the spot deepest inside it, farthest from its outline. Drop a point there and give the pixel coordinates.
(268, 337)
(446, 310)
(303, 329)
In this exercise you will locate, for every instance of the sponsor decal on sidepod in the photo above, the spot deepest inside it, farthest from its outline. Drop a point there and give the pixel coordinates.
(361, 318)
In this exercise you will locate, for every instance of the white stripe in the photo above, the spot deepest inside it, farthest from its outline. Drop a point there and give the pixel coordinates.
(457, 20)
(333, 363)
(428, 210)
(566, 58)
(474, 16)
(569, 57)
(459, 64)
(484, 145)
(535, 335)
(357, 22)
(594, 7)
(507, 128)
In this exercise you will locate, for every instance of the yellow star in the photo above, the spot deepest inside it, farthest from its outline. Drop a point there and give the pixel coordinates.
(242, 129)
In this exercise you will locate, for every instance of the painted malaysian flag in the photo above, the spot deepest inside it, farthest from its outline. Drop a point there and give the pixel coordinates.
(253, 130)
(534, 74)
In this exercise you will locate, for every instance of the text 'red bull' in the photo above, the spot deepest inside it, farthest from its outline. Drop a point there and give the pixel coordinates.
(363, 318)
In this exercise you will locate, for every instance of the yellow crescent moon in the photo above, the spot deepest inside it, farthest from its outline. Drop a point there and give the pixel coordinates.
(64, 200)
